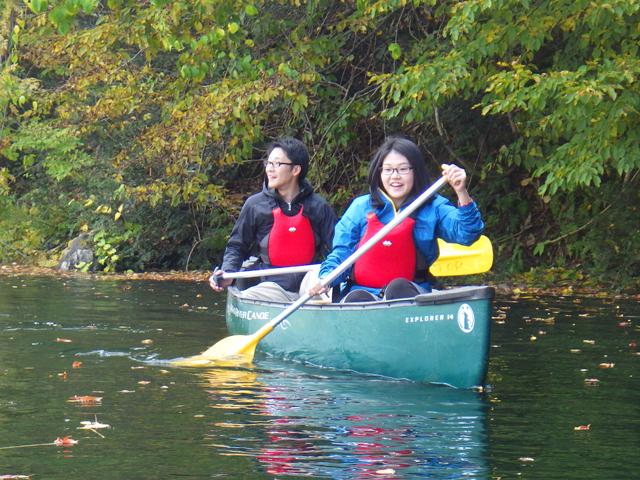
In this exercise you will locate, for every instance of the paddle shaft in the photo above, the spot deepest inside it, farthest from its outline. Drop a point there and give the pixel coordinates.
(328, 280)
(269, 271)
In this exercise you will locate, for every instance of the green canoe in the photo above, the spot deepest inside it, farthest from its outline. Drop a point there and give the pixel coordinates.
(440, 337)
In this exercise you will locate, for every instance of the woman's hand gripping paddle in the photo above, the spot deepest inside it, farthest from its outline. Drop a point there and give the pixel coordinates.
(238, 349)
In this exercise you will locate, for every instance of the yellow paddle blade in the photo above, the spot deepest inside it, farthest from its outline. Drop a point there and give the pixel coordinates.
(233, 350)
(457, 259)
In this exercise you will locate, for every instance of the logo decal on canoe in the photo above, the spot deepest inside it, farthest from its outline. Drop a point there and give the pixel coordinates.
(466, 318)
(438, 317)
(247, 314)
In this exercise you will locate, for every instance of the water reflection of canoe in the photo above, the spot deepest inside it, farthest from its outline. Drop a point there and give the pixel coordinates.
(292, 421)
(439, 337)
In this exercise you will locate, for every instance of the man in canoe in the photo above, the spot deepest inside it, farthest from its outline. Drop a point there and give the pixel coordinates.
(285, 224)
(397, 266)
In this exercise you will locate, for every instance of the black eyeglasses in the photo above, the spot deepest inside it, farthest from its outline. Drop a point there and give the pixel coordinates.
(403, 170)
(268, 164)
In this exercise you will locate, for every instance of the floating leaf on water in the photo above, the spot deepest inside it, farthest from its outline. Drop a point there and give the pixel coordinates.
(607, 365)
(594, 382)
(63, 340)
(85, 399)
(147, 341)
(126, 391)
(65, 441)
(590, 342)
(533, 338)
(582, 427)
(89, 425)
(76, 364)
(575, 350)
(144, 382)
(526, 459)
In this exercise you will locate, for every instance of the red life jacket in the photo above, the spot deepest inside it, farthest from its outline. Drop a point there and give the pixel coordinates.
(291, 240)
(392, 257)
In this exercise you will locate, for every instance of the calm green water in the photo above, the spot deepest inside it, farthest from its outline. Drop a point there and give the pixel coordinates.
(280, 420)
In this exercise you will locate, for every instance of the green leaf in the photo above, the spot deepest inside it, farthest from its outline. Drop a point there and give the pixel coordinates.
(38, 6)
(395, 51)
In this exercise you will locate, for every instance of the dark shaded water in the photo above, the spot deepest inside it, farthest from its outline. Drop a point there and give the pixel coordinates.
(280, 420)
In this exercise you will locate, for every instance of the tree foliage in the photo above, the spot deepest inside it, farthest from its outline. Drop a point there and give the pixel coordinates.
(143, 122)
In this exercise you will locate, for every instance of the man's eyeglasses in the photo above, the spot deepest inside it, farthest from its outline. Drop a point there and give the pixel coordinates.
(404, 170)
(268, 164)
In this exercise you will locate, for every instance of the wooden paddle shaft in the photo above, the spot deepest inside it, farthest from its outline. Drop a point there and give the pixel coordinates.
(269, 271)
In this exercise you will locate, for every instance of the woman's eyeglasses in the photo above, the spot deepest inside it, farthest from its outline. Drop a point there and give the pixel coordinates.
(404, 170)
(268, 164)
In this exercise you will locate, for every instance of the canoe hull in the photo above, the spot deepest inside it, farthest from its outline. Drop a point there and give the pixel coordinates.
(440, 337)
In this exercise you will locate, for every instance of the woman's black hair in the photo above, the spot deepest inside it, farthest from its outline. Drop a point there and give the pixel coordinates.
(296, 152)
(408, 149)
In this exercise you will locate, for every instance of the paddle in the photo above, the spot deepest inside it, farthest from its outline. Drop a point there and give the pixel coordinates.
(454, 259)
(241, 348)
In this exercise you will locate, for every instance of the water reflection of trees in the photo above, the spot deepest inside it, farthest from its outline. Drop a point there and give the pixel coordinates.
(345, 426)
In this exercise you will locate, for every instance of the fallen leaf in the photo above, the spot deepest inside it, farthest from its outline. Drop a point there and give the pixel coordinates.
(590, 342)
(526, 459)
(575, 350)
(89, 425)
(582, 427)
(76, 364)
(65, 441)
(63, 340)
(85, 399)
(147, 341)
(594, 382)
(144, 382)
(64, 375)
(607, 365)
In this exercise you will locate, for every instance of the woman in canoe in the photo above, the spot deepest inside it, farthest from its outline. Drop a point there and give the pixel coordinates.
(397, 266)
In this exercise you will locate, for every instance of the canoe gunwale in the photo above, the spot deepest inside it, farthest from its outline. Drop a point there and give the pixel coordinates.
(437, 297)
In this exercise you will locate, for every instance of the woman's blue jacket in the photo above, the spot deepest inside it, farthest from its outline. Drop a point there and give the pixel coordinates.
(439, 218)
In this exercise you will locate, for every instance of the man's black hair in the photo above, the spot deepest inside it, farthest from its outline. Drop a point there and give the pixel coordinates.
(296, 152)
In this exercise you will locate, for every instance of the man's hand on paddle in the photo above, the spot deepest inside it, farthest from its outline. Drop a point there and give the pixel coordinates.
(217, 283)
(318, 289)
